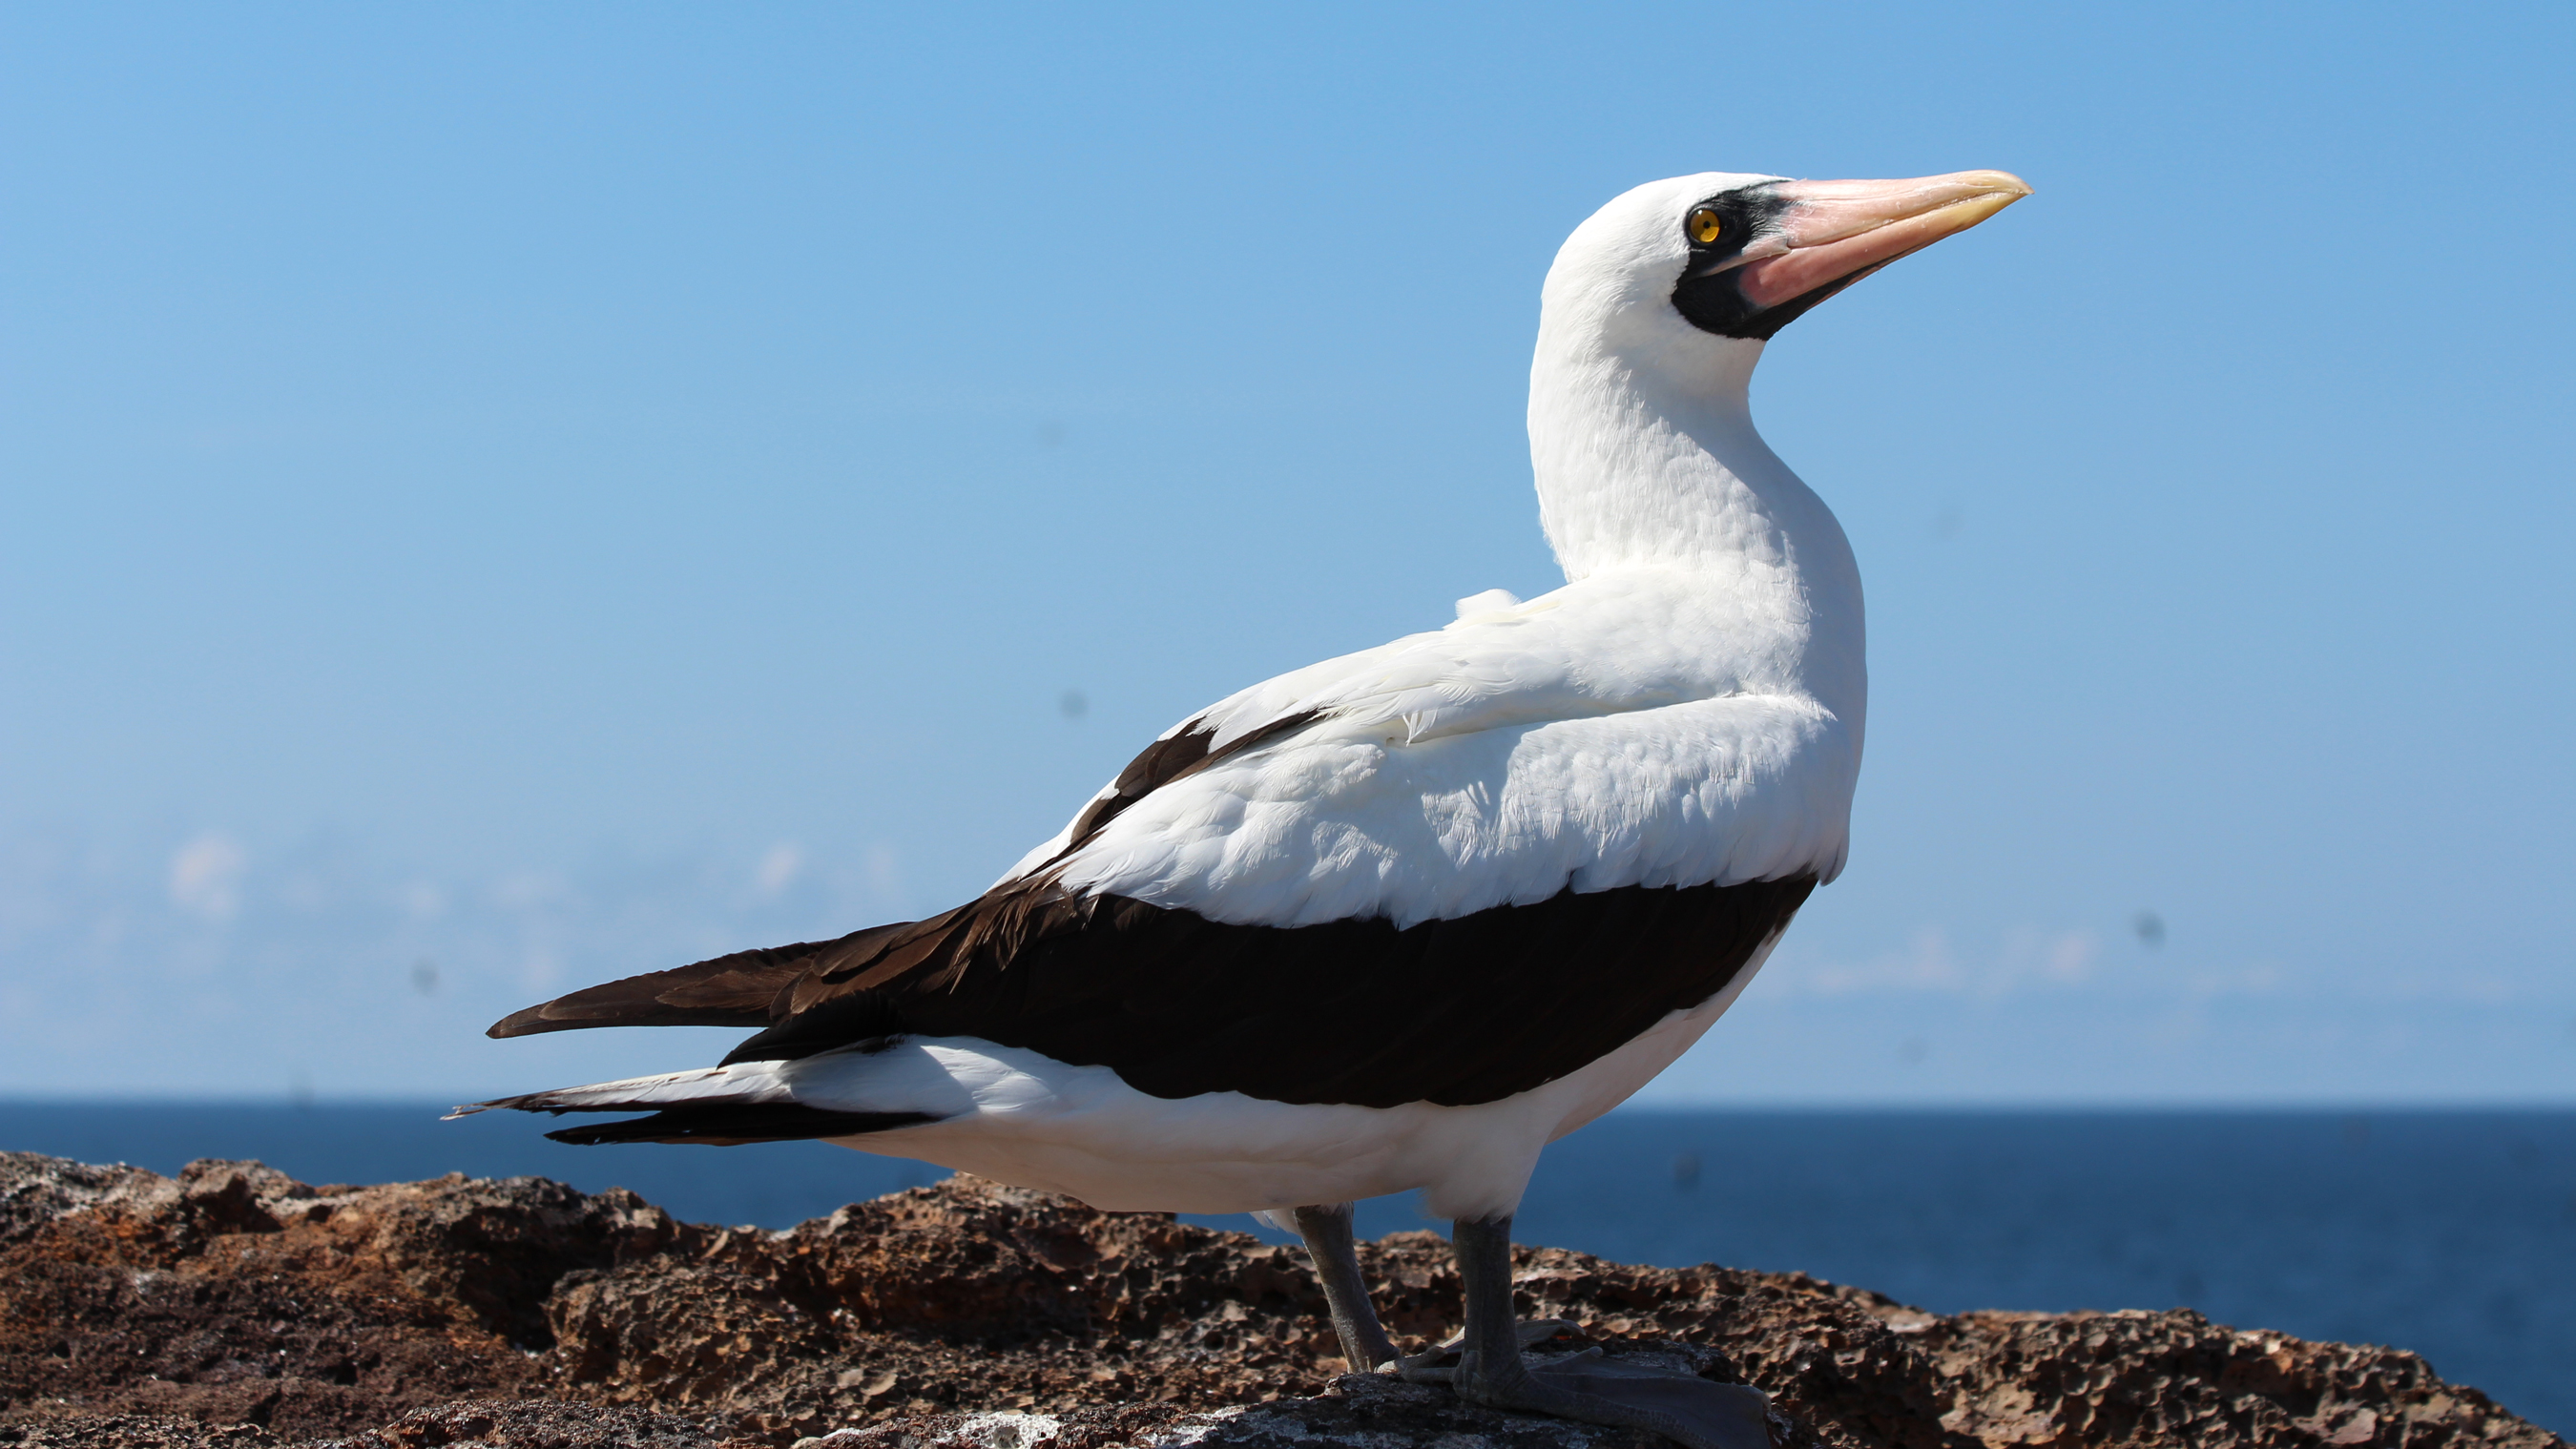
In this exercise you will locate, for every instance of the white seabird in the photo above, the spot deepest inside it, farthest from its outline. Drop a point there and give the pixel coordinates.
(1398, 920)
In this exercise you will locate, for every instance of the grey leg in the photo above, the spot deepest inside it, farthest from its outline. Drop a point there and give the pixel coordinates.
(1327, 1231)
(1689, 1411)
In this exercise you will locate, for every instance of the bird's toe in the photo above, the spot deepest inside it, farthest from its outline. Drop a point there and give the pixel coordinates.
(1590, 1389)
(1438, 1364)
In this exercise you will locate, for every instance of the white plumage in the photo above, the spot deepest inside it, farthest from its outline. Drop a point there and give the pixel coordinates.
(1592, 737)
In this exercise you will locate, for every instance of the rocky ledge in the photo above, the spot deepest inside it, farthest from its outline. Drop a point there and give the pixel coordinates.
(235, 1306)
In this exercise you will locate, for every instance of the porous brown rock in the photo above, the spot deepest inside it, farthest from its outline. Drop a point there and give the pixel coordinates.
(234, 1306)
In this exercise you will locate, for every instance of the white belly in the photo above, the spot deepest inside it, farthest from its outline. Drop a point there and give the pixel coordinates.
(1023, 1118)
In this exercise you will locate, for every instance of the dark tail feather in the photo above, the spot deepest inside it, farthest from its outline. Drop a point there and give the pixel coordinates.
(736, 990)
(730, 1124)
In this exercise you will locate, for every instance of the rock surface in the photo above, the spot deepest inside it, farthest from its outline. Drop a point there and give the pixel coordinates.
(234, 1306)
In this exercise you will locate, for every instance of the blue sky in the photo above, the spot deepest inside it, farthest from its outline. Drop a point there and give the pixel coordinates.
(501, 497)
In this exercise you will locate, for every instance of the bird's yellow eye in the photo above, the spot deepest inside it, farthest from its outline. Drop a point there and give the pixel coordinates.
(1705, 225)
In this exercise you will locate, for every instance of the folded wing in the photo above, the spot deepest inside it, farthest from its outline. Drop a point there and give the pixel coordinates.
(1447, 870)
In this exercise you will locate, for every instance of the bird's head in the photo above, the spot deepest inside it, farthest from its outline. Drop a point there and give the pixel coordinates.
(1743, 256)
(1641, 430)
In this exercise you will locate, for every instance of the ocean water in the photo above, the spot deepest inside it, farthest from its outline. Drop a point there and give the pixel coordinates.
(2452, 1233)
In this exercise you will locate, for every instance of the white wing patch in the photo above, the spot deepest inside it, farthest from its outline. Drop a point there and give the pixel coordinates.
(1339, 821)
(1628, 730)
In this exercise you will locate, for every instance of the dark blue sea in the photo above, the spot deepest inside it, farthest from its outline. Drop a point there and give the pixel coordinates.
(2452, 1233)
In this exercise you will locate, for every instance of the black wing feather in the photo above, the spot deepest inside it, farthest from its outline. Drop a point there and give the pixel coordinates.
(736, 990)
(731, 1124)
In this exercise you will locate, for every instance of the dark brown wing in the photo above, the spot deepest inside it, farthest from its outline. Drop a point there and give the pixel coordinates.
(1457, 1011)
(735, 990)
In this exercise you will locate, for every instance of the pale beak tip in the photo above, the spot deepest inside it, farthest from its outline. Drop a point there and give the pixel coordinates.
(2003, 181)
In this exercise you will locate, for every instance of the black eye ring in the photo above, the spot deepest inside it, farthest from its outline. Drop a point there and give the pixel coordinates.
(1704, 225)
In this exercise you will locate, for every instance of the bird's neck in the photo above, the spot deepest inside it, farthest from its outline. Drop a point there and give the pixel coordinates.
(1646, 457)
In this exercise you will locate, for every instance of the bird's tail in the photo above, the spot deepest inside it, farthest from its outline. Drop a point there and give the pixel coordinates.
(714, 1106)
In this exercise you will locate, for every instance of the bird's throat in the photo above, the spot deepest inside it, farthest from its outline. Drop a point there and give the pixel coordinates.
(1646, 456)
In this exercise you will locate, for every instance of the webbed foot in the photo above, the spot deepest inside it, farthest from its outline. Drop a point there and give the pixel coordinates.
(1584, 1387)
(1594, 1390)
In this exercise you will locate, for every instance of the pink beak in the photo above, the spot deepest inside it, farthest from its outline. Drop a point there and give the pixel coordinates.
(1837, 231)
